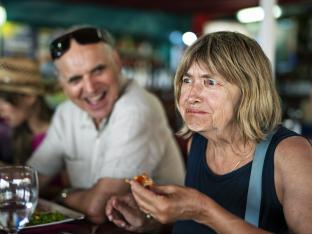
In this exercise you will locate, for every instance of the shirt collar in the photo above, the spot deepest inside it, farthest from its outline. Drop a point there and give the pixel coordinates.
(87, 122)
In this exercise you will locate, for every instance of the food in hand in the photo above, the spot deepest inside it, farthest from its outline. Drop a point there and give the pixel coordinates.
(143, 180)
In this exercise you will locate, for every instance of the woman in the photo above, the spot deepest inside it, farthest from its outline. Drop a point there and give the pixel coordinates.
(5, 139)
(226, 96)
(22, 106)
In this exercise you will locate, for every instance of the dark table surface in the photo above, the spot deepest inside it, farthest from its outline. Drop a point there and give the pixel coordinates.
(82, 227)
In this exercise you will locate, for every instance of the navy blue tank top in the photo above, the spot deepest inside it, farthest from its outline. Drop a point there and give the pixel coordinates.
(230, 190)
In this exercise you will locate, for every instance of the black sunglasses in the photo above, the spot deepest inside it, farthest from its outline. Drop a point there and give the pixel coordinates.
(83, 36)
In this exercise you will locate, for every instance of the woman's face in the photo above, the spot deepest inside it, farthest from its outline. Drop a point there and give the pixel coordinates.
(207, 102)
(17, 113)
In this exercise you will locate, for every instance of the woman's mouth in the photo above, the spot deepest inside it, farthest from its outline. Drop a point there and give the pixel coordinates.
(194, 111)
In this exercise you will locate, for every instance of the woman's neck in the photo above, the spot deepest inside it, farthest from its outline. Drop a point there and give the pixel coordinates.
(36, 124)
(228, 151)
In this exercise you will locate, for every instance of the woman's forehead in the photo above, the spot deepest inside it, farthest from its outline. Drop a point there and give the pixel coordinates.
(202, 65)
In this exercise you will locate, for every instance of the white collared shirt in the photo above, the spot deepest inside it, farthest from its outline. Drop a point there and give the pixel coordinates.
(136, 138)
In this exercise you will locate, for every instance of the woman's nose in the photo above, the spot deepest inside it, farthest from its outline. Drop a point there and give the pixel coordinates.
(193, 98)
(195, 92)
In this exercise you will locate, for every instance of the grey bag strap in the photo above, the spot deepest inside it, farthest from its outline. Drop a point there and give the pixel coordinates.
(255, 182)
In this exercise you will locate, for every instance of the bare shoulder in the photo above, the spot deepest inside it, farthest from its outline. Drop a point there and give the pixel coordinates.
(293, 180)
(295, 148)
(292, 163)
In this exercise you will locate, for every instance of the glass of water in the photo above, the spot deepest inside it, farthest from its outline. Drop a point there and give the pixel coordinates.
(18, 196)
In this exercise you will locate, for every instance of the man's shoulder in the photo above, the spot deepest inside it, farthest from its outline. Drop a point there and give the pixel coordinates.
(137, 97)
(67, 106)
(67, 110)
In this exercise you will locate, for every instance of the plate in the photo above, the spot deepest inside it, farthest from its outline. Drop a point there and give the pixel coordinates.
(48, 206)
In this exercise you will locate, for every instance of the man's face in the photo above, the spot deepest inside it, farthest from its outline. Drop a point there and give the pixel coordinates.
(89, 75)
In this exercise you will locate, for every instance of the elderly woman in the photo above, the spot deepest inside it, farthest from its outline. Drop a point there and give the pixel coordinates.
(226, 96)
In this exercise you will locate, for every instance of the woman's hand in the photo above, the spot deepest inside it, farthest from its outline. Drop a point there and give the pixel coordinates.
(168, 203)
(124, 212)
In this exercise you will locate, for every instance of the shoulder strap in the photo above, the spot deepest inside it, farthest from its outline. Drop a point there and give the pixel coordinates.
(255, 182)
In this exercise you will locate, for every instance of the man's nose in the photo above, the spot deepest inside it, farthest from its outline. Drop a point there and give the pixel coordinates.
(89, 85)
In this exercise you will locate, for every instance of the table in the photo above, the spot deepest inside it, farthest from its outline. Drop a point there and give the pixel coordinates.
(83, 227)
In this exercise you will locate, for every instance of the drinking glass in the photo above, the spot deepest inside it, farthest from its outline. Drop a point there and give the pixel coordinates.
(18, 196)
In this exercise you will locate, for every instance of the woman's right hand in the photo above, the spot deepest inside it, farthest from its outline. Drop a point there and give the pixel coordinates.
(170, 203)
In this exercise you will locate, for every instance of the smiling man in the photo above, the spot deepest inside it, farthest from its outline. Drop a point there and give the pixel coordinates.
(105, 132)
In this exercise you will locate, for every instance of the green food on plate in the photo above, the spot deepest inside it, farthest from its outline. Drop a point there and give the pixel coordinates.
(45, 217)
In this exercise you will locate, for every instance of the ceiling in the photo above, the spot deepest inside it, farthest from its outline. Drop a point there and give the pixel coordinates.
(154, 19)
(209, 7)
(199, 11)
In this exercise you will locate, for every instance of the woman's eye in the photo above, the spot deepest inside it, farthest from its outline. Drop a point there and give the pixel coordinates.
(210, 82)
(186, 80)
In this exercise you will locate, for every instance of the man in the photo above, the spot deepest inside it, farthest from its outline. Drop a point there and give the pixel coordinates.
(109, 130)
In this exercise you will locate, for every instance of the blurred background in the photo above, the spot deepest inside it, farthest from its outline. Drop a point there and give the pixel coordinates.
(152, 35)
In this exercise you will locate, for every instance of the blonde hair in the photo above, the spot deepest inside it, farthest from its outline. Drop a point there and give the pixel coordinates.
(240, 61)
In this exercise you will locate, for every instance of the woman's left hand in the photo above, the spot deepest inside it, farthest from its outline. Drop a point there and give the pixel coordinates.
(168, 203)
(124, 212)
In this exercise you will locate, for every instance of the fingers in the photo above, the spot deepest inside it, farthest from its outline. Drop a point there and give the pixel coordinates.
(109, 207)
(118, 219)
(114, 215)
(163, 190)
(129, 213)
(146, 199)
(161, 202)
(119, 223)
(127, 199)
(123, 215)
(140, 192)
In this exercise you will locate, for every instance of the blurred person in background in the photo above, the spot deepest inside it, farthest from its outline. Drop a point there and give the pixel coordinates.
(25, 114)
(23, 107)
(5, 142)
(109, 129)
(225, 94)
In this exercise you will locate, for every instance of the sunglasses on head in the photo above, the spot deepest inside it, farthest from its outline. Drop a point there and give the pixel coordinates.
(83, 36)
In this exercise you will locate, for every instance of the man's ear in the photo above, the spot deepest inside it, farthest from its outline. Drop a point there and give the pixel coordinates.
(59, 81)
(57, 74)
(117, 60)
